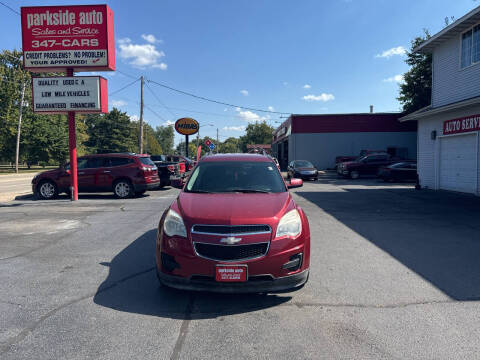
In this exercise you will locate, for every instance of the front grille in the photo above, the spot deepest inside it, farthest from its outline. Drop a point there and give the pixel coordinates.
(231, 252)
(231, 229)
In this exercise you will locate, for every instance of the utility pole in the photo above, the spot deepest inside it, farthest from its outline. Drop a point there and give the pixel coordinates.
(217, 138)
(140, 134)
(20, 111)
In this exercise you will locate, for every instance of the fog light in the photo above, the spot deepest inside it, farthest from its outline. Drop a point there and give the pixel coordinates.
(168, 262)
(294, 263)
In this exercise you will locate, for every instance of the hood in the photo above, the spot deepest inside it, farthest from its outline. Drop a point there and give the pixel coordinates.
(50, 172)
(233, 208)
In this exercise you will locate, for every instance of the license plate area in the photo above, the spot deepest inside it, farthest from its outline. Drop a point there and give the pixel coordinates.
(231, 273)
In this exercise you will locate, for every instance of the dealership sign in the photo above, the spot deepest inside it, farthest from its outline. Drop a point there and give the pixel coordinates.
(58, 37)
(461, 125)
(62, 94)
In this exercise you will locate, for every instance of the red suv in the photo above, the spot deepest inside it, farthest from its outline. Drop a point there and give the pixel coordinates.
(125, 174)
(234, 228)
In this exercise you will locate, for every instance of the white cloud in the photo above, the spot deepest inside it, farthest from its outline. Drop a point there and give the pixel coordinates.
(151, 38)
(250, 116)
(306, 86)
(141, 55)
(161, 66)
(322, 97)
(234, 128)
(118, 103)
(285, 83)
(399, 50)
(397, 78)
(244, 92)
(271, 108)
(225, 109)
(134, 118)
(168, 123)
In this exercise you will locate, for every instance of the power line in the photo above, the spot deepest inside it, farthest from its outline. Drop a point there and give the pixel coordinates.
(11, 9)
(215, 101)
(160, 101)
(154, 112)
(125, 74)
(123, 88)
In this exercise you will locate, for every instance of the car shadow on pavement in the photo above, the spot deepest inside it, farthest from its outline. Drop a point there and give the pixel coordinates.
(333, 178)
(434, 233)
(132, 286)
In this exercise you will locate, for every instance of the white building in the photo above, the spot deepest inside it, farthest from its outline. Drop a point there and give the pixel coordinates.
(448, 129)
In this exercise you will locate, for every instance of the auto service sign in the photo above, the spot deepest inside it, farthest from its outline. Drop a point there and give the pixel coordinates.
(186, 126)
(61, 94)
(58, 37)
(461, 125)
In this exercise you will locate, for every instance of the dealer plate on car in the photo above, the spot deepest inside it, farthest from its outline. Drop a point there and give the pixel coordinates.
(231, 273)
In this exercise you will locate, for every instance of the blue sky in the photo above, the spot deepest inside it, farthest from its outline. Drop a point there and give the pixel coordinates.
(329, 56)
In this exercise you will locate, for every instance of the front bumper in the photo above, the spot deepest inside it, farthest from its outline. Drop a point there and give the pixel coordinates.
(254, 284)
(306, 176)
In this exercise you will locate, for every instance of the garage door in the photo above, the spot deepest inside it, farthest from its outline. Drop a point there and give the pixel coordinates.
(458, 163)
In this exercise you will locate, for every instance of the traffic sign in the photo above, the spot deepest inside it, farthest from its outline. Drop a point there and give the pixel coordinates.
(208, 142)
(211, 146)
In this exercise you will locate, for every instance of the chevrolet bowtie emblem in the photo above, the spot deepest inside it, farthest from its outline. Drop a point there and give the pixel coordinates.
(231, 240)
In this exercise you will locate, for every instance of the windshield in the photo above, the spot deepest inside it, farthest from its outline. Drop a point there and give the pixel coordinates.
(146, 161)
(303, 163)
(235, 176)
(158, 157)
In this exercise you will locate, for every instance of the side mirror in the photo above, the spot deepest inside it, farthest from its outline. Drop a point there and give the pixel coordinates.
(294, 183)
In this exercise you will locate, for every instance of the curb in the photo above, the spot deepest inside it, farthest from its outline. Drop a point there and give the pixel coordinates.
(15, 196)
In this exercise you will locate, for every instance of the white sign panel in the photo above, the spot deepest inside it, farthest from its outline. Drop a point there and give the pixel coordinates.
(64, 93)
(65, 58)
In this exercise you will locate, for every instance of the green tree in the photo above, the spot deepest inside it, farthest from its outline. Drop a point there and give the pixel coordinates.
(192, 149)
(151, 144)
(11, 79)
(416, 90)
(165, 136)
(112, 132)
(257, 133)
(44, 138)
(230, 145)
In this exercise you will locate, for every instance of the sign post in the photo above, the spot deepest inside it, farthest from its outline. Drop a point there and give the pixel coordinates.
(72, 146)
(68, 39)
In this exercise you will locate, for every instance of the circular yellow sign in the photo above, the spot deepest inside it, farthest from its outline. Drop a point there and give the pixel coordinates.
(186, 126)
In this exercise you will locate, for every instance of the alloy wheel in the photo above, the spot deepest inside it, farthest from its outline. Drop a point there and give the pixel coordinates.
(47, 190)
(122, 189)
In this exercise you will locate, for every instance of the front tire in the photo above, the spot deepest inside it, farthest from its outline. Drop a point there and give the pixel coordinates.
(123, 189)
(47, 190)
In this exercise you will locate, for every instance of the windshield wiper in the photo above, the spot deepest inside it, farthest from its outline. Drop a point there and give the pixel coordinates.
(249, 191)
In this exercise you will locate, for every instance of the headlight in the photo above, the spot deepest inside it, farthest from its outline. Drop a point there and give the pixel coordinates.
(290, 224)
(173, 224)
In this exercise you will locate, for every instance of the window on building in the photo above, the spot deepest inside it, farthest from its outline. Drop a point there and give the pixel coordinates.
(470, 47)
(476, 44)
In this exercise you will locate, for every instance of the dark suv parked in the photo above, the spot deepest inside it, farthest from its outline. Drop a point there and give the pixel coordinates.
(367, 165)
(124, 174)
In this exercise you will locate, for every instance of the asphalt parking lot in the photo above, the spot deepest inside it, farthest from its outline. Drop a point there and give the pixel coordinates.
(394, 275)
